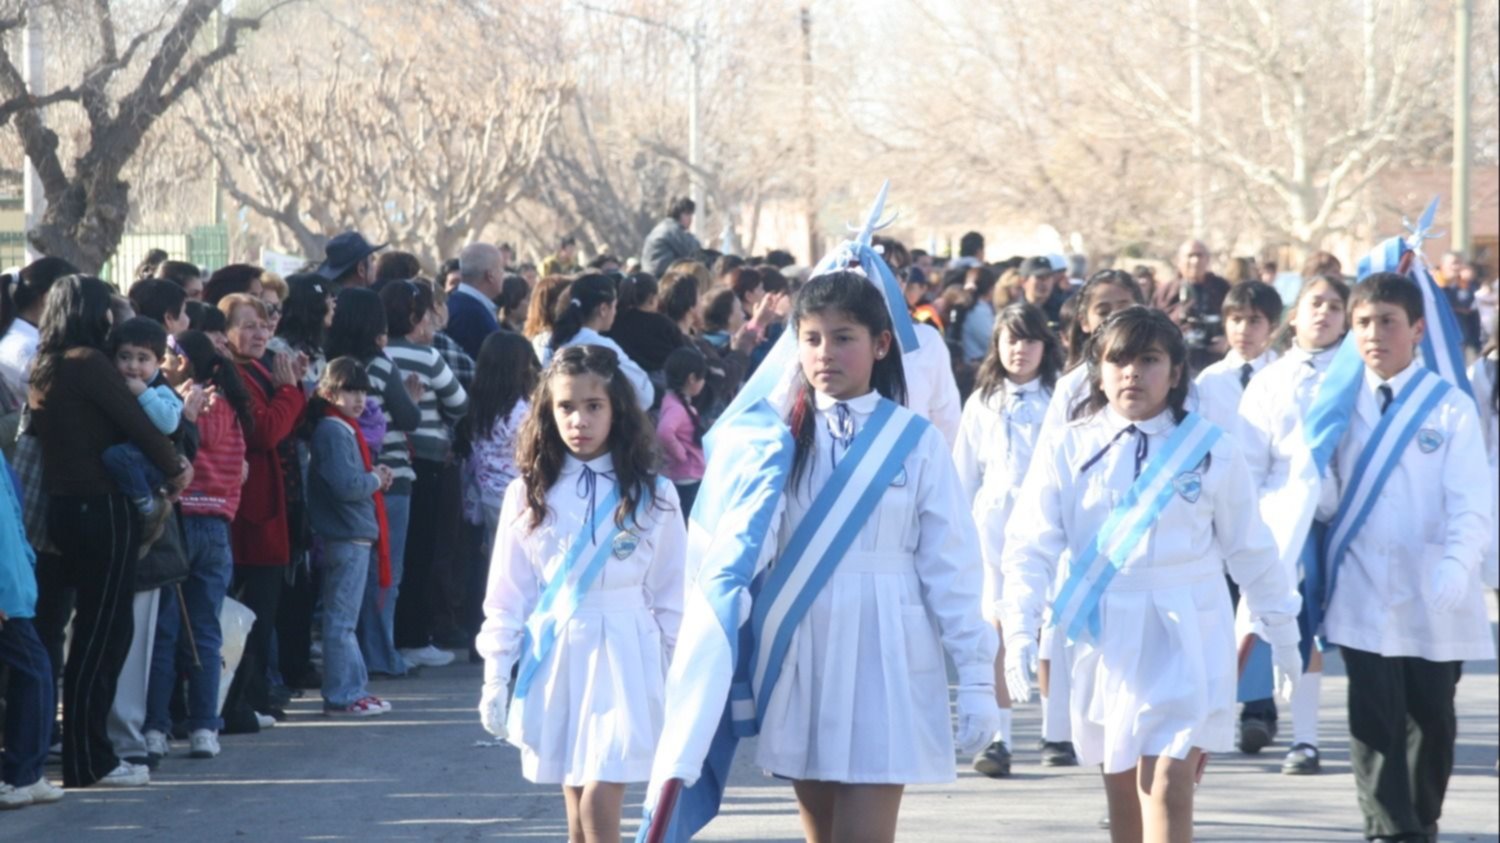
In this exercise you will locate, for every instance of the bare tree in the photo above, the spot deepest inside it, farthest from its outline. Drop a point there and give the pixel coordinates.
(135, 76)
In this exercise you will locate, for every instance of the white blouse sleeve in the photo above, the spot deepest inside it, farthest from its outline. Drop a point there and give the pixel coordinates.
(513, 587)
(1254, 432)
(1249, 549)
(668, 568)
(949, 566)
(1034, 538)
(966, 449)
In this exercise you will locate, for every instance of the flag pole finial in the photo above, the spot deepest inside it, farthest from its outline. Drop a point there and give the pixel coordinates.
(863, 235)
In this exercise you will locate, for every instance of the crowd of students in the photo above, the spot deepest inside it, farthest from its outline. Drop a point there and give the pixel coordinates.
(500, 464)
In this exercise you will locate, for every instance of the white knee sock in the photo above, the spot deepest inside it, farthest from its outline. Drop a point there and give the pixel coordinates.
(1305, 709)
(1003, 735)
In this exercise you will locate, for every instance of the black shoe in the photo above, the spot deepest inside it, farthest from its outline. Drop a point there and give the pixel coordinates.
(275, 712)
(1256, 734)
(994, 761)
(1059, 754)
(1303, 760)
(240, 721)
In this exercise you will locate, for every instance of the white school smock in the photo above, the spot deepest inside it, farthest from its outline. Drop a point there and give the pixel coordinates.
(863, 693)
(1161, 678)
(1219, 389)
(996, 439)
(931, 391)
(594, 711)
(1434, 506)
(1482, 376)
(645, 392)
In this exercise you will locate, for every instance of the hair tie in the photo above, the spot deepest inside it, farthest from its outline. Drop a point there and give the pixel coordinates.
(576, 303)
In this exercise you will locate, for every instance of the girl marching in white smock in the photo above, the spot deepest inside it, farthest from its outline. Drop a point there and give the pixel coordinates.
(996, 438)
(861, 707)
(585, 592)
(1154, 662)
(1486, 383)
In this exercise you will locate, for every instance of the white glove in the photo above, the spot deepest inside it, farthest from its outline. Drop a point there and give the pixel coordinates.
(1021, 653)
(1285, 638)
(1450, 583)
(978, 718)
(494, 704)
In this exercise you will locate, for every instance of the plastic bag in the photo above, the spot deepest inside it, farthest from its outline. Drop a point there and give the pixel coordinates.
(235, 619)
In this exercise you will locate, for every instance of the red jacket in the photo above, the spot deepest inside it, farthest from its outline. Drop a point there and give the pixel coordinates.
(215, 490)
(259, 533)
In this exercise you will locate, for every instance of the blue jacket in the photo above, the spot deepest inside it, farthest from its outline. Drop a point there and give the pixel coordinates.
(469, 321)
(340, 493)
(17, 561)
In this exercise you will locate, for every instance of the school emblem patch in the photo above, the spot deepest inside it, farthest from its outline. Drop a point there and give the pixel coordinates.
(1189, 484)
(900, 481)
(625, 544)
(1429, 440)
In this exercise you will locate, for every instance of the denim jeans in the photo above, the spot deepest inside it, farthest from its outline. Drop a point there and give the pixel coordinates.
(135, 476)
(377, 614)
(28, 703)
(209, 570)
(346, 567)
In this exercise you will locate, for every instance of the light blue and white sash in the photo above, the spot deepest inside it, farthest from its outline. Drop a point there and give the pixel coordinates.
(1400, 424)
(816, 547)
(564, 593)
(1076, 609)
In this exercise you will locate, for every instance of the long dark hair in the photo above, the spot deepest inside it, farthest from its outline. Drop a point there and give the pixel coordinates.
(1027, 322)
(20, 291)
(76, 316)
(505, 373)
(681, 364)
(358, 324)
(636, 289)
(578, 305)
(210, 368)
(406, 302)
(855, 296)
(304, 312)
(1126, 335)
(632, 441)
(1077, 337)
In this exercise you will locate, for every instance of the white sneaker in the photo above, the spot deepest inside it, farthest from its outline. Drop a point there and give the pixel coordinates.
(126, 775)
(204, 743)
(266, 721)
(428, 656)
(156, 743)
(43, 792)
(12, 797)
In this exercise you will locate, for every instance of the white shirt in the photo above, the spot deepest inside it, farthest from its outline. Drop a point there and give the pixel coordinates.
(645, 392)
(1220, 387)
(18, 347)
(474, 293)
(1061, 509)
(1434, 506)
(931, 391)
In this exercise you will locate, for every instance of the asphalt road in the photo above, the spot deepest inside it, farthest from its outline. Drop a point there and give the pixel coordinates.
(426, 772)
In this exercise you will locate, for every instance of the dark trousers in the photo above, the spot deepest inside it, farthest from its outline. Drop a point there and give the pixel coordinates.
(98, 538)
(452, 556)
(414, 603)
(259, 588)
(294, 620)
(54, 608)
(1402, 728)
(28, 702)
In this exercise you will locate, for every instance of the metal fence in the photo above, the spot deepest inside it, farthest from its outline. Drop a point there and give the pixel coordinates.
(206, 245)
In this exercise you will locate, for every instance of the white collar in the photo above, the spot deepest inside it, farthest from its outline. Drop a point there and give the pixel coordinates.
(602, 464)
(1397, 383)
(468, 290)
(1031, 386)
(1157, 425)
(1315, 358)
(861, 406)
(1266, 357)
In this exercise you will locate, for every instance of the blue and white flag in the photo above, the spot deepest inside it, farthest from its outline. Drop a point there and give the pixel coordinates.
(749, 456)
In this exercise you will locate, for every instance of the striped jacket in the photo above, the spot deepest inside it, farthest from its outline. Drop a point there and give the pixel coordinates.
(443, 403)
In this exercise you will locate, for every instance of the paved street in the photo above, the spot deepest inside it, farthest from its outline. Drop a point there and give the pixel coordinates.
(419, 774)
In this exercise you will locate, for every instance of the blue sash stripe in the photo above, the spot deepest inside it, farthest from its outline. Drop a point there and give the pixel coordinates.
(1136, 516)
(813, 523)
(1355, 508)
(542, 626)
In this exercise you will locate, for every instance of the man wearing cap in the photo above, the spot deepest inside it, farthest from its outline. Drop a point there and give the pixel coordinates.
(346, 261)
(1194, 302)
(565, 261)
(1040, 287)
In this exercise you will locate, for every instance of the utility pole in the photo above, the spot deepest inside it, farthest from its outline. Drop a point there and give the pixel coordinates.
(218, 194)
(33, 51)
(1195, 94)
(1460, 241)
(810, 200)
